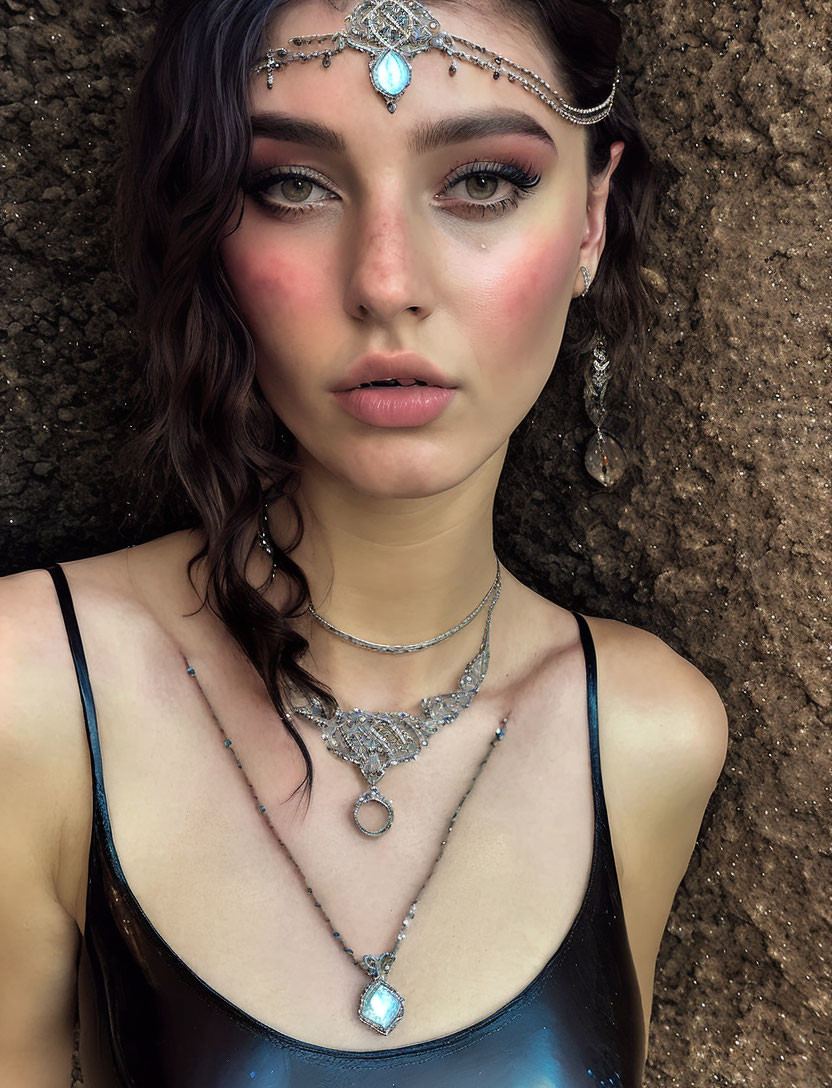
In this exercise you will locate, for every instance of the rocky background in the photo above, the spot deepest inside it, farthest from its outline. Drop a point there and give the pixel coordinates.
(718, 537)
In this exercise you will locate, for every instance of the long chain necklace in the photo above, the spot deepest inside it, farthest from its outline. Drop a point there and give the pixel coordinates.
(264, 539)
(380, 1006)
(376, 740)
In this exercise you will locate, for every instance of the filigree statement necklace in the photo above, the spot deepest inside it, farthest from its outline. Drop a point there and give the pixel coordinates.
(380, 1006)
(377, 740)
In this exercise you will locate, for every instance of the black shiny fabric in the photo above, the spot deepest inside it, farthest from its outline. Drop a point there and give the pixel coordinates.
(147, 1021)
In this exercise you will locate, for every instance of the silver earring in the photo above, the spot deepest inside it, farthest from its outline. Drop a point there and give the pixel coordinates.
(604, 457)
(587, 281)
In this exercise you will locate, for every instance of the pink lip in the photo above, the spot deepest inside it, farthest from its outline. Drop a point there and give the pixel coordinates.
(406, 406)
(404, 365)
(396, 406)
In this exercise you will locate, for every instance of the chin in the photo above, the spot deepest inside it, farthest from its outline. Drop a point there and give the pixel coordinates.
(406, 490)
(414, 473)
(389, 481)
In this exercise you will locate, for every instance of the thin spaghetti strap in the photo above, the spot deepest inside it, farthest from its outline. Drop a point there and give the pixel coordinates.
(592, 715)
(79, 660)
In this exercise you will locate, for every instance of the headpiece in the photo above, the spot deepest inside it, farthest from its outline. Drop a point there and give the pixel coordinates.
(392, 32)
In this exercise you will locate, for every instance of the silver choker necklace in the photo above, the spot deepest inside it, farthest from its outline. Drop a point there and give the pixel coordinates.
(264, 539)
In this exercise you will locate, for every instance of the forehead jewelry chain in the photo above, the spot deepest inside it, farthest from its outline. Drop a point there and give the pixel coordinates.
(392, 32)
(264, 539)
(380, 1006)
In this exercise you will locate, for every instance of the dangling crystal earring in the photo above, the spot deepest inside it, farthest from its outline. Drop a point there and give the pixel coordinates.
(604, 456)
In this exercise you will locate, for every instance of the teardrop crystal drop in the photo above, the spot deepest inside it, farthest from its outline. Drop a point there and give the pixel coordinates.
(605, 459)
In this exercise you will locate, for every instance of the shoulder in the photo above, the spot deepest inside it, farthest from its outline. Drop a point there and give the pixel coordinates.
(104, 589)
(43, 748)
(42, 781)
(662, 722)
(119, 599)
(46, 801)
(43, 761)
(666, 724)
(32, 633)
(36, 675)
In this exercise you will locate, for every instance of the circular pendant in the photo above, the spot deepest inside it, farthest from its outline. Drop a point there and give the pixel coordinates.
(373, 794)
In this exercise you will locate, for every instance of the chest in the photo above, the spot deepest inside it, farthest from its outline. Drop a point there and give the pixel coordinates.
(220, 890)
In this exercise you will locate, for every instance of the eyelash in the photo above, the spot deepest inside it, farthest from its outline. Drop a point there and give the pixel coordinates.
(520, 177)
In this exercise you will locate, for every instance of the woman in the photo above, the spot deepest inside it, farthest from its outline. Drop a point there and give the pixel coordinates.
(297, 232)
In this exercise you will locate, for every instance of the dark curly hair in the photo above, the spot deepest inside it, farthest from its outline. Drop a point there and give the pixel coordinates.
(211, 444)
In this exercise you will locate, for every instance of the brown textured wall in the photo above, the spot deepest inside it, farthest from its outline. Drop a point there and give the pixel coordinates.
(718, 540)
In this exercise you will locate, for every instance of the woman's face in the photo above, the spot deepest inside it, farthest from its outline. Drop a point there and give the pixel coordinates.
(406, 233)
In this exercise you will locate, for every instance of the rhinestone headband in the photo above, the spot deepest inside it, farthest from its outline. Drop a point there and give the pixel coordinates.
(392, 32)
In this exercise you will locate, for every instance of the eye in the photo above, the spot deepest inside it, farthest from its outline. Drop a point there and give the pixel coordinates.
(284, 192)
(293, 186)
(481, 180)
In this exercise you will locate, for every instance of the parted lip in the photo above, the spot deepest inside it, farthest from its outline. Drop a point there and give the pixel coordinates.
(404, 365)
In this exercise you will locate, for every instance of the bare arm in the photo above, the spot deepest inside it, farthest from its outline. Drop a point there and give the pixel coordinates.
(664, 734)
(42, 790)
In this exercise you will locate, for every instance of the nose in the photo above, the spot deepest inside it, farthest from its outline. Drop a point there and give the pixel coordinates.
(389, 268)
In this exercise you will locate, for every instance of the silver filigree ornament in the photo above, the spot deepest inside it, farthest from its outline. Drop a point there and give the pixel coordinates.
(377, 740)
(392, 32)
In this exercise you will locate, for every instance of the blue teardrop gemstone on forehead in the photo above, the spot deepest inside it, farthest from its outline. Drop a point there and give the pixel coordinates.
(390, 73)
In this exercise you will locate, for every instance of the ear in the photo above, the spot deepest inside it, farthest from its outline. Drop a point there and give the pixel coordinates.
(595, 230)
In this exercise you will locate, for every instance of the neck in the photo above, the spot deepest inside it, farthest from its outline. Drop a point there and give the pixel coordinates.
(394, 571)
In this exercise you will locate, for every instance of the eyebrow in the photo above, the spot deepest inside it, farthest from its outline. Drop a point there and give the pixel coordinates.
(424, 137)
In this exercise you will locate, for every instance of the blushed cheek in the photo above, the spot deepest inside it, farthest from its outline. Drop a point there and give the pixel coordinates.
(273, 286)
(533, 286)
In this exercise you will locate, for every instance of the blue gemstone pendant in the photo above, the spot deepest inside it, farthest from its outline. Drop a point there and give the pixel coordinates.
(380, 1006)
